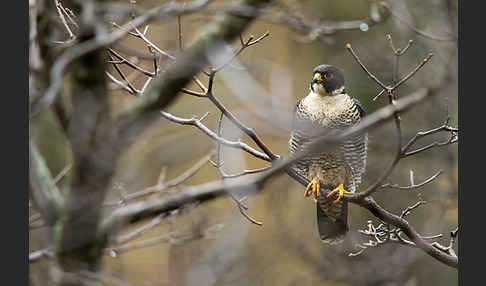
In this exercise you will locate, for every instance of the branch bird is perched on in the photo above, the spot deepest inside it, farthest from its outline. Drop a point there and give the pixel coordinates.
(325, 108)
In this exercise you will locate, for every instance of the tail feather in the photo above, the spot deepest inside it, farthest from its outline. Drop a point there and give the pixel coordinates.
(332, 220)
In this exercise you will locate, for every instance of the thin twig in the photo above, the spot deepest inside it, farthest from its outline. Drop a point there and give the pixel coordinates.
(450, 248)
(122, 75)
(132, 65)
(219, 166)
(69, 14)
(61, 174)
(139, 231)
(170, 238)
(119, 83)
(61, 16)
(178, 237)
(233, 144)
(195, 93)
(407, 211)
(412, 185)
(443, 128)
(388, 89)
(384, 233)
(148, 42)
(244, 45)
(372, 76)
(36, 255)
(161, 186)
(247, 172)
(451, 140)
(411, 73)
(248, 131)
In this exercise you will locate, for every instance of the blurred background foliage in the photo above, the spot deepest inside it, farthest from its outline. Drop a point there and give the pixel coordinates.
(286, 249)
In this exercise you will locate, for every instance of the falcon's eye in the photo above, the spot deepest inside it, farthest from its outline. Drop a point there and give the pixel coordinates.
(328, 75)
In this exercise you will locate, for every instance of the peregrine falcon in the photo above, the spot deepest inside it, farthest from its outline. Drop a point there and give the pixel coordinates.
(328, 107)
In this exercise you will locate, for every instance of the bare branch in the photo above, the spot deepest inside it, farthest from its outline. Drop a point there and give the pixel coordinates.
(132, 65)
(252, 220)
(178, 237)
(412, 185)
(250, 132)
(219, 165)
(122, 75)
(44, 193)
(197, 123)
(407, 211)
(244, 45)
(119, 83)
(36, 255)
(384, 233)
(60, 12)
(139, 231)
(451, 140)
(443, 128)
(195, 93)
(411, 73)
(61, 174)
(386, 88)
(372, 76)
(165, 11)
(161, 185)
(246, 172)
(150, 44)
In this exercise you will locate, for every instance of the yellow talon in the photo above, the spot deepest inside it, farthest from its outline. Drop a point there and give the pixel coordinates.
(340, 189)
(315, 185)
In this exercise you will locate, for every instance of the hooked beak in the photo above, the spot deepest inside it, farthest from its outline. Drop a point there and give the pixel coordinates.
(317, 78)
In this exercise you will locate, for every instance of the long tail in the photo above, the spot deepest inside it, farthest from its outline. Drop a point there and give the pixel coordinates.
(332, 220)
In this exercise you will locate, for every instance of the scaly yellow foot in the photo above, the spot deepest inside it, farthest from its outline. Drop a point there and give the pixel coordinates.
(315, 185)
(340, 189)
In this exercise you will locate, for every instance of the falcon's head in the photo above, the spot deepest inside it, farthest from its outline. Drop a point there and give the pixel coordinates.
(327, 80)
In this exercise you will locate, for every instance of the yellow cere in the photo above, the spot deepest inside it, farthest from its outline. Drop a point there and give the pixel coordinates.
(318, 76)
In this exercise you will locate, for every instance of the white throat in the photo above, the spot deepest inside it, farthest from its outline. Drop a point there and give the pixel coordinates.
(329, 106)
(319, 89)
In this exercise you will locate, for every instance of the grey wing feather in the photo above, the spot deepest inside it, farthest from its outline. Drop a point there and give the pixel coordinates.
(298, 139)
(303, 131)
(355, 149)
(355, 155)
(360, 109)
(295, 136)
